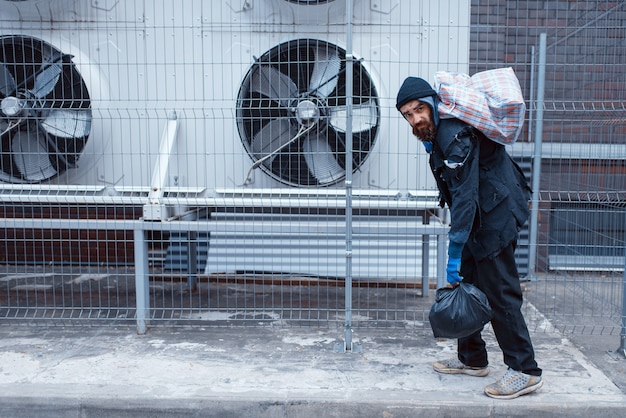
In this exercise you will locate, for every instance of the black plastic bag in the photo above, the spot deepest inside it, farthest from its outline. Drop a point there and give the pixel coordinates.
(459, 311)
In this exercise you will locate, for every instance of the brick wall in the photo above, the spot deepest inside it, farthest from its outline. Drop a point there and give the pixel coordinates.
(585, 94)
(586, 59)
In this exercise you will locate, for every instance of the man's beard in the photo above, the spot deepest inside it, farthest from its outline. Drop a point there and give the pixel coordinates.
(426, 132)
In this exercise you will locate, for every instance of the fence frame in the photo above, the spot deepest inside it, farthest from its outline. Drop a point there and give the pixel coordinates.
(141, 226)
(159, 203)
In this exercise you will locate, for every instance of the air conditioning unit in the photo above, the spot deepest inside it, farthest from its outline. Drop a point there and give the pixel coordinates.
(64, 89)
(260, 83)
(227, 102)
(292, 117)
(46, 110)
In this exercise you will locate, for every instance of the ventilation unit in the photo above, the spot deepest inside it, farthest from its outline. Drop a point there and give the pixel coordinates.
(226, 104)
(309, 1)
(258, 93)
(46, 117)
(292, 118)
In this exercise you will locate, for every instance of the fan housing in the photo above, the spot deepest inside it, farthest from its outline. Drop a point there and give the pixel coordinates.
(45, 111)
(309, 1)
(292, 113)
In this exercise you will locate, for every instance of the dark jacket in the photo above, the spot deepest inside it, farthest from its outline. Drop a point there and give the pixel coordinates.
(486, 191)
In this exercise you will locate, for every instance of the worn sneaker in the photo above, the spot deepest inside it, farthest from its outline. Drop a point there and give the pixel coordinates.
(513, 384)
(455, 366)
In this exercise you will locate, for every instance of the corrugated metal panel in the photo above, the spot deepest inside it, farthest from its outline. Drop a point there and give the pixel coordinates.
(176, 257)
(387, 248)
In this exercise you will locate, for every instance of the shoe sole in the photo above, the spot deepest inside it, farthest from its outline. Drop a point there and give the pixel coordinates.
(468, 371)
(524, 391)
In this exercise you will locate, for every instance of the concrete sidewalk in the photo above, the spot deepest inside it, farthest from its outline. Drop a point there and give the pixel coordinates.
(278, 372)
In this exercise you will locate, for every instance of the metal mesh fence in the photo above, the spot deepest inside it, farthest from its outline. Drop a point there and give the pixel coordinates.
(579, 165)
(242, 162)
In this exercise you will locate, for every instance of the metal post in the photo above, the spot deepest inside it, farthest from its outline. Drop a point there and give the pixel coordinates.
(534, 214)
(192, 260)
(532, 91)
(425, 256)
(348, 344)
(622, 346)
(442, 241)
(142, 288)
(154, 210)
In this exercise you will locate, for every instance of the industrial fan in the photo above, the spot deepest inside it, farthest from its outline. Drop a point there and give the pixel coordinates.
(45, 116)
(292, 114)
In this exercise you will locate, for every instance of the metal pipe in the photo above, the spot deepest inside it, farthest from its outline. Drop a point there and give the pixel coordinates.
(532, 91)
(141, 281)
(622, 345)
(155, 210)
(348, 345)
(442, 242)
(534, 214)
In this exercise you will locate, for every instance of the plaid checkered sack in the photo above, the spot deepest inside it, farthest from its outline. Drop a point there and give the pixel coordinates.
(491, 101)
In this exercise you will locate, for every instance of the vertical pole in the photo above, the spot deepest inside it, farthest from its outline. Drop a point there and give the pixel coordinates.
(534, 214)
(425, 256)
(622, 345)
(192, 260)
(348, 345)
(142, 288)
(532, 91)
(154, 210)
(442, 241)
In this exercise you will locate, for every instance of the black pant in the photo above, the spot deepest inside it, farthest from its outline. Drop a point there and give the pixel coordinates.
(498, 278)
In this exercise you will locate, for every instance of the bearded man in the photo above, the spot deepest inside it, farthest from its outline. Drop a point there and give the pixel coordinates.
(487, 194)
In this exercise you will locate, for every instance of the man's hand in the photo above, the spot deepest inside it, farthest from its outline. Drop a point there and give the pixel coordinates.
(452, 271)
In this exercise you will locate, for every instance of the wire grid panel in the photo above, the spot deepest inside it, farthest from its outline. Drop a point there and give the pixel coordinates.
(235, 113)
(578, 171)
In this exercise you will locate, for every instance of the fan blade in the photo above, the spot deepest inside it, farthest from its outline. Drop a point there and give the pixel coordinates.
(270, 82)
(7, 82)
(321, 160)
(67, 123)
(325, 72)
(364, 117)
(271, 138)
(46, 80)
(31, 157)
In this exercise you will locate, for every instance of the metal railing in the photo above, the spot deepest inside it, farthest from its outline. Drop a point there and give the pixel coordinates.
(155, 223)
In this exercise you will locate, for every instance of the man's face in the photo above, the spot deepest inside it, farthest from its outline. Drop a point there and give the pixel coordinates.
(420, 117)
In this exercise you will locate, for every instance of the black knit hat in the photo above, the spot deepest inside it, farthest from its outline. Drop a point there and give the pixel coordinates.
(413, 88)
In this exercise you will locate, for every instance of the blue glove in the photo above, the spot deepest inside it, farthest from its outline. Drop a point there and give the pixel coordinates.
(452, 271)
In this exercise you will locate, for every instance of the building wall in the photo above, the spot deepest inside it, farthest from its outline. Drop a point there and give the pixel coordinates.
(585, 86)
